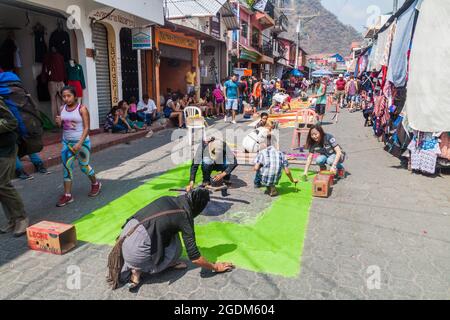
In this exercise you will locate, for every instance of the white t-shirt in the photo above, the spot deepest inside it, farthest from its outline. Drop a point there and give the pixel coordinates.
(151, 106)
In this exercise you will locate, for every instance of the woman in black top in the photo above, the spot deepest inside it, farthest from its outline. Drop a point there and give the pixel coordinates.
(326, 146)
(155, 245)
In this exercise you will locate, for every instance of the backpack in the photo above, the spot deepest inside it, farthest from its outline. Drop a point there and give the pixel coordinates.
(22, 106)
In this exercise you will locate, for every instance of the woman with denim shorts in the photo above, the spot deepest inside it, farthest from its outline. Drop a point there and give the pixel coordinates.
(324, 144)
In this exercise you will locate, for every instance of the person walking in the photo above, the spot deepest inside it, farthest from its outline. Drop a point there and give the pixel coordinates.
(36, 161)
(352, 91)
(231, 93)
(321, 101)
(74, 120)
(10, 199)
(340, 91)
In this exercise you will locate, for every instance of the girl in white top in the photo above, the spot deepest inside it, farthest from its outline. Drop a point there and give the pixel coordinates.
(74, 120)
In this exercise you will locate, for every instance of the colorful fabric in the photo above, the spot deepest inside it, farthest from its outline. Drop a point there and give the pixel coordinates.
(69, 156)
(231, 88)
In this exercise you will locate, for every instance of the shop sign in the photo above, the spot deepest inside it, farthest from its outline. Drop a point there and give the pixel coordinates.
(215, 26)
(176, 40)
(115, 17)
(141, 38)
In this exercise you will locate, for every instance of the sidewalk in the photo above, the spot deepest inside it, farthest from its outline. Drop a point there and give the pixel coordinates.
(51, 154)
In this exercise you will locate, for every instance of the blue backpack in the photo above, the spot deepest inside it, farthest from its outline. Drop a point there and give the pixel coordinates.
(22, 106)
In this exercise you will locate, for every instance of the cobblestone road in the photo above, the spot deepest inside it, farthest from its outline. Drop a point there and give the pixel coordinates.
(381, 218)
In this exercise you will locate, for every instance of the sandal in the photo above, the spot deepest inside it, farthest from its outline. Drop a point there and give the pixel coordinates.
(179, 266)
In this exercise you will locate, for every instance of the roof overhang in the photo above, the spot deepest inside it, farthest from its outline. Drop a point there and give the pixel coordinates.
(177, 9)
(150, 10)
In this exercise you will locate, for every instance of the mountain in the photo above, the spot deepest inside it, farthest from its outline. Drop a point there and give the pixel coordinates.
(324, 34)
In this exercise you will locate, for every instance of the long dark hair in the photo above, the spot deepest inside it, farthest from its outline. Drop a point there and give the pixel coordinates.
(309, 140)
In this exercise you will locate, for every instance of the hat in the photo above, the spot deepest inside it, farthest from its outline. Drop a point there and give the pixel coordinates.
(341, 75)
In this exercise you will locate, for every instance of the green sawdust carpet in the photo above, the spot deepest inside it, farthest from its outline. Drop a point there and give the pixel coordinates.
(273, 243)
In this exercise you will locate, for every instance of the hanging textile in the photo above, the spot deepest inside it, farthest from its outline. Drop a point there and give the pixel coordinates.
(378, 55)
(428, 99)
(371, 66)
(387, 48)
(398, 61)
(445, 145)
(424, 152)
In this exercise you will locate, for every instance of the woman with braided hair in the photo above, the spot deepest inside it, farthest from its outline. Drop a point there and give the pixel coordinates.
(150, 243)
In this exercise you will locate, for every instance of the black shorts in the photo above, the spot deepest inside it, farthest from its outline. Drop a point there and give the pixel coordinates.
(320, 109)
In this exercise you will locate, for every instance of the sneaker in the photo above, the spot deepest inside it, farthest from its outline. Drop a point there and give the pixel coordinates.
(21, 227)
(8, 228)
(41, 169)
(225, 119)
(23, 175)
(233, 122)
(64, 200)
(95, 189)
(149, 134)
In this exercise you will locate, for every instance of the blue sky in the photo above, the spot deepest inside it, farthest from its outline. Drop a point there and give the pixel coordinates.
(354, 12)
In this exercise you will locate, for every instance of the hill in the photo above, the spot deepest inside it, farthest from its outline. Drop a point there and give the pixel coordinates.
(325, 34)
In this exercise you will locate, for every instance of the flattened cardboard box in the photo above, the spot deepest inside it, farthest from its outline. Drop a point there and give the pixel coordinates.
(52, 237)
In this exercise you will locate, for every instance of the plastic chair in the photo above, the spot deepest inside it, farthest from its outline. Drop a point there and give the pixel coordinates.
(308, 118)
(191, 112)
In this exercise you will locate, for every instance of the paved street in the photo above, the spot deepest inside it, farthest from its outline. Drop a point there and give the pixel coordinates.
(381, 218)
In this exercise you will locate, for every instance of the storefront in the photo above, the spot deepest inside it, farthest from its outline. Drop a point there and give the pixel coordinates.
(26, 35)
(176, 55)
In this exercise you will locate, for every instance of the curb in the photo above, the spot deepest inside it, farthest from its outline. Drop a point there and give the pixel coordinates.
(50, 162)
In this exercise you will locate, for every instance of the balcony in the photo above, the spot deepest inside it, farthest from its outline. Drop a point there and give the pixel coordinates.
(265, 15)
(267, 47)
(281, 25)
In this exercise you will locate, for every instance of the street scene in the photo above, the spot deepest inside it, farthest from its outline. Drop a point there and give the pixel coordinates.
(224, 150)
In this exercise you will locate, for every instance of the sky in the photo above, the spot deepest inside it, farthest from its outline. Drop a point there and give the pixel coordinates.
(359, 13)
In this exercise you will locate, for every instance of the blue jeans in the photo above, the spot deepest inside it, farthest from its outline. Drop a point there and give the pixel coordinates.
(324, 160)
(241, 104)
(258, 178)
(34, 158)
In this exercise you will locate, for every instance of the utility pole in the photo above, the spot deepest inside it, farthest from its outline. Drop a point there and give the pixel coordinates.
(395, 6)
(299, 28)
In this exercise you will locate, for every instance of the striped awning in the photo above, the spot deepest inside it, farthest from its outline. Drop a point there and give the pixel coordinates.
(250, 55)
(177, 9)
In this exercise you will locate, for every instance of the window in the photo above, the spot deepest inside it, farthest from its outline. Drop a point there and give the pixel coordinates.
(255, 38)
(244, 29)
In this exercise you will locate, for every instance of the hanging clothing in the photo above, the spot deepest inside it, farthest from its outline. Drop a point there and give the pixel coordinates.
(7, 56)
(75, 78)
(40, 47)
(423, 158)
(428, 99)
(387, 49)
(445, 145)
(60, 39)
(54, 68)
(398, 61)
(381, 44)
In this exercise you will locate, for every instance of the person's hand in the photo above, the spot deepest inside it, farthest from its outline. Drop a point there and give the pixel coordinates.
(58, 121)
(220, 267)
(190, 187)
(76, 147)
(333, 169)
(219, 177)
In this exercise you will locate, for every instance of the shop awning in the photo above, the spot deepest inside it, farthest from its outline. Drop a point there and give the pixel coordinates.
(150, 10)
(177, 9)
(250, 55)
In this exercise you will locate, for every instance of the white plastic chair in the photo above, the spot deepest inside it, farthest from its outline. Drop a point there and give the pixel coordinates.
(191, 112)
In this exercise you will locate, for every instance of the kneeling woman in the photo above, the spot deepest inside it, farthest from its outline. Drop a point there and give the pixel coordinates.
(150, 241)
(324, 144)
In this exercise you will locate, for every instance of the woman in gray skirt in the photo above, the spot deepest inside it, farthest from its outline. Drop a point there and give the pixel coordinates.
(151, 237)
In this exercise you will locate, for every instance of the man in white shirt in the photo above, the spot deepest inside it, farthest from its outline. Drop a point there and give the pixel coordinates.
(147, 110)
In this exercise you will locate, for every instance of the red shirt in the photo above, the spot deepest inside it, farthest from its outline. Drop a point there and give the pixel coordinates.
(54, 68)
(340, 84)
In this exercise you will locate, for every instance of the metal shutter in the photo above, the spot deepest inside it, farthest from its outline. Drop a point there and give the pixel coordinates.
(175, 52)
(100, 39)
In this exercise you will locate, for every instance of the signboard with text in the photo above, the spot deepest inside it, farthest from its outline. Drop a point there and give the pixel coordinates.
(142, 38)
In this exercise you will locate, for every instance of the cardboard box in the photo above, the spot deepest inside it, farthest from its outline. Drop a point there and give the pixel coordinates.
(321, 186)
(331, 176)
(52, 237)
